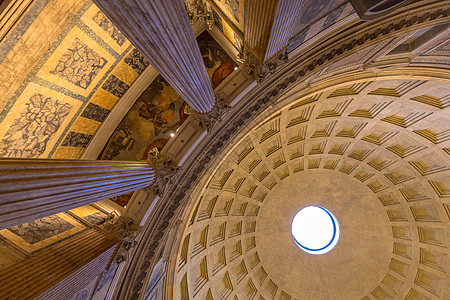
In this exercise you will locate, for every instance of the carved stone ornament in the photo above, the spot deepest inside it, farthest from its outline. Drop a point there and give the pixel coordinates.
(165, 170)
(120, 227)
(260, 71)
(123, 229)
(199, 10)
(271, 65)
(209, 120)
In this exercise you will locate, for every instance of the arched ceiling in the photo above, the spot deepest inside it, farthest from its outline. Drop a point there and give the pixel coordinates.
(375, 153)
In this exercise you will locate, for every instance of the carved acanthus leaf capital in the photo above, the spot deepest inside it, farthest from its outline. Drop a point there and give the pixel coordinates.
(209, 120)
(200, 10)
(120, 227)
(261, 70)
(124, 230)
(165, 170)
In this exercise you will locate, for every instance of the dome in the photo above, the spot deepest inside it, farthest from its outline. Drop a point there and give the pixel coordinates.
(323, 149)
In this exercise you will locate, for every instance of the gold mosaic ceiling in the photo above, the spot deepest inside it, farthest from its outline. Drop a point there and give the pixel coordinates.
(376, 154)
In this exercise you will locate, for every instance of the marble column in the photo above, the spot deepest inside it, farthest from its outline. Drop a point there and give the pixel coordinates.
(36, 188)
(268, 26)
(161, 31)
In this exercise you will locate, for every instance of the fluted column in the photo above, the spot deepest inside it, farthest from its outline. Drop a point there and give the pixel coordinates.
(268, 26)
(32, 189)
(285, 17)
(161, 30)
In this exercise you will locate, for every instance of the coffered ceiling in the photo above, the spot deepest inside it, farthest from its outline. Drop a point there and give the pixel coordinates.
(376, 154)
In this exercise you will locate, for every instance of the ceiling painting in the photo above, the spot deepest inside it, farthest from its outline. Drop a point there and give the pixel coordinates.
(316, 16)
(65, 89)
(28, 41)
(18, 242)
(232, 11)
(41, 233)
(218, 63)
(160, 111)
(38, 117)
(55, 96)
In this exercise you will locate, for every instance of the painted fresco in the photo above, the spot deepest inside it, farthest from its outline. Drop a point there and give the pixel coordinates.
(315, 16)
(39, 119)
(157, 112)
(90, 214)
(232, 11)
(227, 31)
(218, 63)
(231, 7)
(63, 79)
(79, 64)
(42, 233)
(160, 111)
(46, 227)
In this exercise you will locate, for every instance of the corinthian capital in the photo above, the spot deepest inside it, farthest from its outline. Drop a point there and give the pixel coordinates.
(165, 170)
(125, 231)
(212, 118)
(200, 10)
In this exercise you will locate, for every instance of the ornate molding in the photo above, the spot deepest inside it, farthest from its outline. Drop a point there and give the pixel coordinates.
(261, 71)
(199, 10)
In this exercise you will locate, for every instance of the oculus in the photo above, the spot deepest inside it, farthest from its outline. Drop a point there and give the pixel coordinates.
(315, 230)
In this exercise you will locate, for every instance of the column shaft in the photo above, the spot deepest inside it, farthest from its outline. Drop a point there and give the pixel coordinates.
(258, 16)
(32, 189)
(161, 30)
(268, 26)
(284, 22)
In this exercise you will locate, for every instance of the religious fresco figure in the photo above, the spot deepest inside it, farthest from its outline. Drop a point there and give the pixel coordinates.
(160, 111)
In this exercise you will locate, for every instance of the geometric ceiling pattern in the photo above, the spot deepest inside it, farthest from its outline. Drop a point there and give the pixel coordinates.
(386, 141)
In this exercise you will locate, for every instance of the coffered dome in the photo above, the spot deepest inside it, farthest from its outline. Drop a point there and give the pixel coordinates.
(375, 153)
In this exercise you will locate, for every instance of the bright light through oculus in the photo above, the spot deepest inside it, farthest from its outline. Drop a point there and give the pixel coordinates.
(315, 230)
